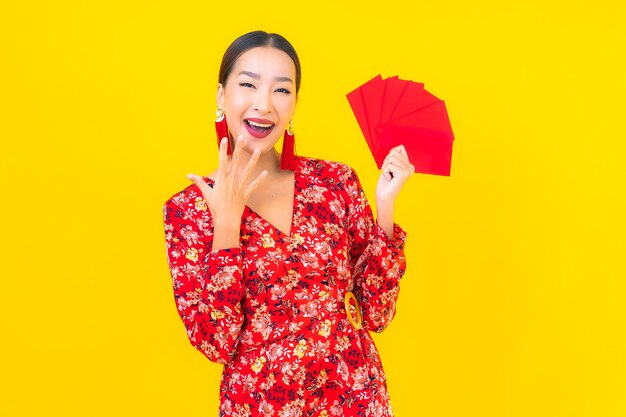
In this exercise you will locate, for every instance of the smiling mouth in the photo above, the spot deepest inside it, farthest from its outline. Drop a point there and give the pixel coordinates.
(260, 127)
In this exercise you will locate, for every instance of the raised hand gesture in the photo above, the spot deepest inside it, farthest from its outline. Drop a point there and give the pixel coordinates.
(230, 193)
(396, 170)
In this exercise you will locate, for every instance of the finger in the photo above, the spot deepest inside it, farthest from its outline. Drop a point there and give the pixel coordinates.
(399, 159)
(386, 173)
(401, 168)
(398, 167)
(401, 150)
(250, 165)
(395, 152)
(388, 169)
(236, 158)
(223, 160)
(252, 186)
(200, 183)
(393, 159)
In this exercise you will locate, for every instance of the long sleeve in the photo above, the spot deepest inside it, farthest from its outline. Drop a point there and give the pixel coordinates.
(207, 283)
(377, 262)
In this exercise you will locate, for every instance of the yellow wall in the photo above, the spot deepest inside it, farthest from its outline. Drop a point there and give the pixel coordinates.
(513, 303)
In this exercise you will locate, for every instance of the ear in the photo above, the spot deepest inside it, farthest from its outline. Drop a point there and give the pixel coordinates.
(220, 96)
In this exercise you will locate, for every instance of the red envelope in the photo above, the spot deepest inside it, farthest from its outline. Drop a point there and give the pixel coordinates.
(432, 117)
(413, 98)
(395, 112)
(373, 93)
(430, 151)
(355, 99)
(393, 92)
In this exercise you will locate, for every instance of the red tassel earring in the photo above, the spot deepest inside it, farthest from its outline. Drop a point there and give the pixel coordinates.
(288, 157)
(221, 128)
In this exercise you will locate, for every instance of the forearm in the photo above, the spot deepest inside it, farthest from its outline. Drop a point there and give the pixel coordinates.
(384, 216)
(208, 288)
(226, 232)
(379, 282)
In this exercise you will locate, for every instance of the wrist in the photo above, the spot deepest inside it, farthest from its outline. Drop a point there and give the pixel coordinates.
(384, 218)
(226, 235)
(385, 207)
(226, 222)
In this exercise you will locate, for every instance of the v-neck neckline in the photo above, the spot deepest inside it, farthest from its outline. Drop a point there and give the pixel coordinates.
(294, 203)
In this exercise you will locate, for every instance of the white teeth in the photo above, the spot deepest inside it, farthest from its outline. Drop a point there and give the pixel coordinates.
(264, 126)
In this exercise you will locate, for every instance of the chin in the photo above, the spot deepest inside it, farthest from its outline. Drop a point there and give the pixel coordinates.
(250, 145)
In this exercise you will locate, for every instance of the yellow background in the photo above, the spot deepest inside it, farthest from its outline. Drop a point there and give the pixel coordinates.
(513, 303)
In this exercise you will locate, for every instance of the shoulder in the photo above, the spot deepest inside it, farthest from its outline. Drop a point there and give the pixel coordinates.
(324, 170)
(337, 178)
(187, 202)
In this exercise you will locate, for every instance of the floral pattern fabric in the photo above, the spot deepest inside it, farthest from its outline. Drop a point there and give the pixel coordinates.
(272, 310)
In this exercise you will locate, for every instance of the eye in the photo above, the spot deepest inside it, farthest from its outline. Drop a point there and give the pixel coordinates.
(246, 85)
(283, 90)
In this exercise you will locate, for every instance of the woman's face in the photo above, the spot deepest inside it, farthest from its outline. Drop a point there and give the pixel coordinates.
(259, 97)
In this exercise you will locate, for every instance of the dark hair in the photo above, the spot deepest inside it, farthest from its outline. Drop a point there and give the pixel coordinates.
(252, 40)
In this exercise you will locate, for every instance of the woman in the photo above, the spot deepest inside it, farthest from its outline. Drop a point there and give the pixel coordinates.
(268, 263)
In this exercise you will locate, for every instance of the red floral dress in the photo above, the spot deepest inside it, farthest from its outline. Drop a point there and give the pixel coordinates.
(272, 311)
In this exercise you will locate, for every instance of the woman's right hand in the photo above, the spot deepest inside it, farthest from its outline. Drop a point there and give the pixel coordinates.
(230, 193)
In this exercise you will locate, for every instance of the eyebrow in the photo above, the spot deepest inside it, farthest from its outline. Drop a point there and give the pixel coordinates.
(258, 77)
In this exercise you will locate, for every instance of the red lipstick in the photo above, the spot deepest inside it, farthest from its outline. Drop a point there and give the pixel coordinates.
(259, 128)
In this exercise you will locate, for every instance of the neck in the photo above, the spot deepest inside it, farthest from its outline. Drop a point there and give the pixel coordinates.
(268, 161)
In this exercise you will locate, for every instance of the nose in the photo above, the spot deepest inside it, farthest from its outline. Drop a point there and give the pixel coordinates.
(263, 102)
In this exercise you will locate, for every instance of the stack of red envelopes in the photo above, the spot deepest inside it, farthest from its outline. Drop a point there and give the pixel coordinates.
(393, 112)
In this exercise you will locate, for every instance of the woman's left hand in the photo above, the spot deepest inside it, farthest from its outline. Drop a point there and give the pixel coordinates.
(396, 170)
